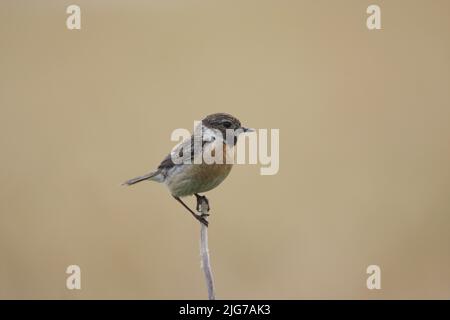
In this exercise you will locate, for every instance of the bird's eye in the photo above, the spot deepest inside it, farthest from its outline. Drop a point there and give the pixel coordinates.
(227, 124)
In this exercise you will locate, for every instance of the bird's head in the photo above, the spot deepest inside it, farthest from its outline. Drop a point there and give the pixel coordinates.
(223, 122)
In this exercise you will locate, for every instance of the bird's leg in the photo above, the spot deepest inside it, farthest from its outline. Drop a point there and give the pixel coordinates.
(201, 199)
(196, 216)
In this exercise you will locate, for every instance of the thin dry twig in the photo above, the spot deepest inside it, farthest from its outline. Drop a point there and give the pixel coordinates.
(204, 251)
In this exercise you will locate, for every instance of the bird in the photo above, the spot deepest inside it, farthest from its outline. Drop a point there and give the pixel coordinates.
(188, 170)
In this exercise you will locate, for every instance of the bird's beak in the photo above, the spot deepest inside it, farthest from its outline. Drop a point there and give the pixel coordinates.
(248, 129)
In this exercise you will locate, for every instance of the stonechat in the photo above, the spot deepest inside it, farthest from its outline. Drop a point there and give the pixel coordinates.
(186, 171)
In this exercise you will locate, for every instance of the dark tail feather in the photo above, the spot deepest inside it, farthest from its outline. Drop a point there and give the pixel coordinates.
(139, 179)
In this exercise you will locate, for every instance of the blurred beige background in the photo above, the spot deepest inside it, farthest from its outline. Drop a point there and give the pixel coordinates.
(365, 155)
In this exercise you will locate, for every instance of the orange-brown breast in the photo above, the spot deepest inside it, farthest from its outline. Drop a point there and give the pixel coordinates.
(198, 178)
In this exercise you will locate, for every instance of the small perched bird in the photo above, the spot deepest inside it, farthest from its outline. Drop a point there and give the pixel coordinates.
(188, 176)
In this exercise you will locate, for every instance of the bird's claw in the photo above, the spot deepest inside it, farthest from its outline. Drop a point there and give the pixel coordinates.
(201, 199)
